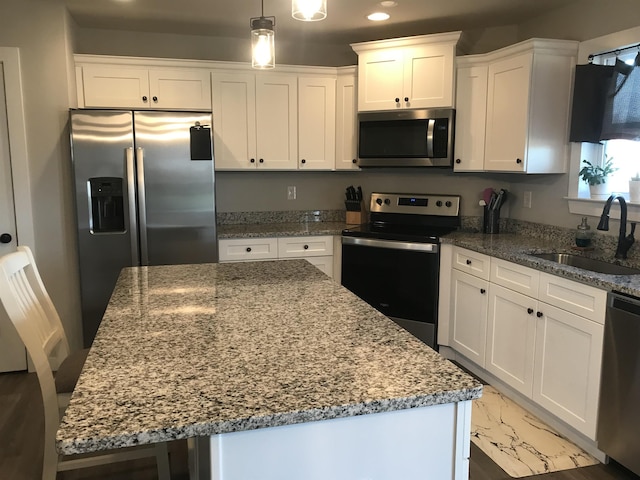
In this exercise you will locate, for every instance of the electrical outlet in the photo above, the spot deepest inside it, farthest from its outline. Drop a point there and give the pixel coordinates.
(291, 193)
(527, 199)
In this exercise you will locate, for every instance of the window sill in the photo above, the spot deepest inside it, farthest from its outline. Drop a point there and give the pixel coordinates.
(593, 208)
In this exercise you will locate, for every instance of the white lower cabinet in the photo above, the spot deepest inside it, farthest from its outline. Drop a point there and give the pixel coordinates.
(317, 250)
(543, 335)
(469, 299)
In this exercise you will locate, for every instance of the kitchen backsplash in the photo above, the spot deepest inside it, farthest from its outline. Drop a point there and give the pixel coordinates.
(292, 216)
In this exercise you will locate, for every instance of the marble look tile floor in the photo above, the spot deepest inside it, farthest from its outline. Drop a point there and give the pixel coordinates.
(518, 442)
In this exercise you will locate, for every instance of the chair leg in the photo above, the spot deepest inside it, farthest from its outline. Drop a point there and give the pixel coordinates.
(162, 458)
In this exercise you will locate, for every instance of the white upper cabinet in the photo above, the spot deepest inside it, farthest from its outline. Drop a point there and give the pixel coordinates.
(346, 121)
(123, 86)
(316, 123)
(512, 108)
(411, 72)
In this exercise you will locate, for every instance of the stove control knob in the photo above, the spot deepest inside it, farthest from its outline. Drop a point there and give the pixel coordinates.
(379, 201)
(387, 201)
(448, 203)
(439, 203)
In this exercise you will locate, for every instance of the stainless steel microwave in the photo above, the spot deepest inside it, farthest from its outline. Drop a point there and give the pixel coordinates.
(406, 138)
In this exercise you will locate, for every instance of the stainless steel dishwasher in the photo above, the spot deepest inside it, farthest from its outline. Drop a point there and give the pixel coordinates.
(619, 412)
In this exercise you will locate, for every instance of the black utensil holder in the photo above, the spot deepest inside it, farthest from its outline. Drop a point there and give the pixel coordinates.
(491, 221)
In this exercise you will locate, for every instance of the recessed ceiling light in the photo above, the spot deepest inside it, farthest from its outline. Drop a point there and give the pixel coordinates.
(378, 16)
(388, 3)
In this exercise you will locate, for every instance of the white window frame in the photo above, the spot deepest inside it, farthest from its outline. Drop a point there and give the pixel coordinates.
(577, 195)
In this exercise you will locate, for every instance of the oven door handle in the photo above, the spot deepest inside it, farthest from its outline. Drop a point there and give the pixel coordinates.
(395, 245)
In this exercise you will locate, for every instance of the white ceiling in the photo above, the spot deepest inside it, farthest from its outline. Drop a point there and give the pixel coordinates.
(345, 21)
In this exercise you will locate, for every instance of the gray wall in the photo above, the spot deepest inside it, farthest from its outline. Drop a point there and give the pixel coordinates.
(40, 29)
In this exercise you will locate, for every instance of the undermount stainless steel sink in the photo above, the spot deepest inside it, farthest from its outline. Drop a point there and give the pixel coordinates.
(585, 263)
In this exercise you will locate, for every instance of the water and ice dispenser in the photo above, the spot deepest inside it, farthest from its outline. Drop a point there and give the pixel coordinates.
(107, 205)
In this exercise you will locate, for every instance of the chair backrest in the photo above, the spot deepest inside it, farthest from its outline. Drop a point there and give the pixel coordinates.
(30, 308)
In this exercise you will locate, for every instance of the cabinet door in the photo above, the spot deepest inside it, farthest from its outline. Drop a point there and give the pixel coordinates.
(510, 338)
(469, 302)
(316, 123)
(471, 113)
(567, 367)
(325, 264)
(234, 121)
(277, 122)
(115, 87)
(180, 89)
(428, 77)
(509, 85)
(380, 79)
(298, 247)
(346, 123)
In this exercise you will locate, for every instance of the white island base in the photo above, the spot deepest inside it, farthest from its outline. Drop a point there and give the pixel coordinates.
(417, 443)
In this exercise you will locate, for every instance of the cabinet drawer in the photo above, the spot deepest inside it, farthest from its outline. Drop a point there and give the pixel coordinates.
(473, 263)
(296, 247)
(583, 300)
(246, 250)
(515, 277)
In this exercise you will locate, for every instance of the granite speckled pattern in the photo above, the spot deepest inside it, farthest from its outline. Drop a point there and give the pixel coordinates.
(287, 216)
(518, 247)
(194, 350)
(256, 230)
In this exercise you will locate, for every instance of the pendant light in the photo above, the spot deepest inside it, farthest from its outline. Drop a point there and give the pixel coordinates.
(263, 52)
(309, 10)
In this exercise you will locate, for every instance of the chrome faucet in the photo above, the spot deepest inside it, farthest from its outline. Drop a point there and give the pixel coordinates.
(624, 241)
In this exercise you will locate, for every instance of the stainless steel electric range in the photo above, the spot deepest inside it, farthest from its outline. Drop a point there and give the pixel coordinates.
(393, 262)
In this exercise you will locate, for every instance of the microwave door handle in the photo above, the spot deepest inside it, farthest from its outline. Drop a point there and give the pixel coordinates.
(430, 128)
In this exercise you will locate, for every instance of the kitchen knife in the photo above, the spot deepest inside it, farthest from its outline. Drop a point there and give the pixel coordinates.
(359, 196)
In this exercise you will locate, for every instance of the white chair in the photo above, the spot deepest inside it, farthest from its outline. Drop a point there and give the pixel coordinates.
(31, 310)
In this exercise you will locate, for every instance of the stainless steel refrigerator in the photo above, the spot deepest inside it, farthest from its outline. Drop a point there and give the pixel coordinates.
(144, 190)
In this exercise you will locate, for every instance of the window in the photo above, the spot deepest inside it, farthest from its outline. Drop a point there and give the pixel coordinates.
(625, 153)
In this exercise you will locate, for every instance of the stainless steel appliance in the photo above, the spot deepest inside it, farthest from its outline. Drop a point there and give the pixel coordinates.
(406, 138)
(393, 262)
(144, 190)
(619, 415)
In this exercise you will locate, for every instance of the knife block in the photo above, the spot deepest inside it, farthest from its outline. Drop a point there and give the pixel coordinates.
(356, 217)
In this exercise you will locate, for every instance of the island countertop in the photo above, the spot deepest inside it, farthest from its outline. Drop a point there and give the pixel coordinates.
(198, 350)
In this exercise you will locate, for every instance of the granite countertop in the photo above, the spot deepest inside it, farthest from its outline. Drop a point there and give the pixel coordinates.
(289, 229)
(196, 350)
(516, 248)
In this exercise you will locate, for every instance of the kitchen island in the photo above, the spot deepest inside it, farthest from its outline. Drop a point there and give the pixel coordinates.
(289, 374)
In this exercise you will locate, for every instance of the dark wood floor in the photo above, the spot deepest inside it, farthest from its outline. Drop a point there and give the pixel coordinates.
(21, 428)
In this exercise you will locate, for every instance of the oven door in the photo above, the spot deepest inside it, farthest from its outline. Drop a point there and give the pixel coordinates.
(400, 279)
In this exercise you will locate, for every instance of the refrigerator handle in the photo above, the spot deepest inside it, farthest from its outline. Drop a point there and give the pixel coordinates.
(133, 216)
(142, 207)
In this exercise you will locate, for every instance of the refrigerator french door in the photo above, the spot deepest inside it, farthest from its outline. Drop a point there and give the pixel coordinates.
(144, 190)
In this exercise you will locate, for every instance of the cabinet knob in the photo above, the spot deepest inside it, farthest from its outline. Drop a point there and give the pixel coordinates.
(248, 249)
(397, 100)
(303, 161)
(458, 161)
(406, 99)
(144, 98)
(518, 160)
(306, 247)
(253, 160)
(261, 160)
(529, 311)
(154, 98)
(468, 262)
(6, 238)
(539, 314)
(483, 291)
(354, 161)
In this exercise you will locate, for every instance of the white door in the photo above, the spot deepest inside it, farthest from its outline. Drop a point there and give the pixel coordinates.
(12, 353)
(316, 123)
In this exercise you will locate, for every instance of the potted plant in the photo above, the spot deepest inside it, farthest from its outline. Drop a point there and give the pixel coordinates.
(634, 188)
(597, 177)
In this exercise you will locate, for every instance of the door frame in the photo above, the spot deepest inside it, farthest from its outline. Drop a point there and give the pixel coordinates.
(10, 59)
